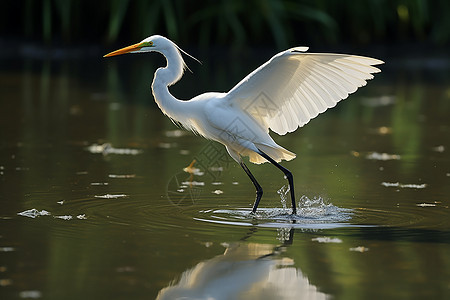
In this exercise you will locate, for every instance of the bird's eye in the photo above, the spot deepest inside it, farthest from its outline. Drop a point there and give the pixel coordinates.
(147, 44)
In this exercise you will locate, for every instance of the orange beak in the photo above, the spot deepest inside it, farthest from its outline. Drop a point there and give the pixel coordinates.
(125, 50)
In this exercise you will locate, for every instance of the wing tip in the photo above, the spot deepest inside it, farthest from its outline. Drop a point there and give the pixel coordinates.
(365, 60)
(299, 49)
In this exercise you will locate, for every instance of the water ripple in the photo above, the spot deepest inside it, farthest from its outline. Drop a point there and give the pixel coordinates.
(311, 214)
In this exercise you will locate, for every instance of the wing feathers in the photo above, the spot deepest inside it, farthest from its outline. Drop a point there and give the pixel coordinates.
(339, 84)
(297, 86)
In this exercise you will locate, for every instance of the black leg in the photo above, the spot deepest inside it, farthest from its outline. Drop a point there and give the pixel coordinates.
(288, 175)
(259, 190)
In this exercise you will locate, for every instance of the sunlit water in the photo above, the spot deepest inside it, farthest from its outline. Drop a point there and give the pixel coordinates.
(102, 197)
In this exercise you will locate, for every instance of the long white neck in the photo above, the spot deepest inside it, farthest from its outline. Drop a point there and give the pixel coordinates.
(165, 77)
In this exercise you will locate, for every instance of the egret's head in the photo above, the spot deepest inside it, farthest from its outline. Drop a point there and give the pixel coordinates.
(152, 43)
(156, 43)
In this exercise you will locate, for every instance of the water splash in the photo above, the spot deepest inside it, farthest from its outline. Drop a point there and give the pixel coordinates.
(283, 191)
(312, 213)
(315, 208)
(319, 210)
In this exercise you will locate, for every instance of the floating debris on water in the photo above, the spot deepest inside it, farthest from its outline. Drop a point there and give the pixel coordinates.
(166, 145)
(111, 196)
(439, 148)
(176, 133)
(107, 148)
(99, 183)
(193, 170)
(390, 184)
(382, 156)
(122, 175)
(60, 202)
(402, 185)
(377, 155)
(217, 192)
(355, 153)
(30, 294)
(426, 204)
(33, 213)
(22, 169)
(208, 244)
(5, 282)
(382, 130)
(68, 217)
(185, 152)
(217, 183)
(325, 239)
(125, 269)
(359, 249)
(378, 101)
(193, 183)
(7, 249)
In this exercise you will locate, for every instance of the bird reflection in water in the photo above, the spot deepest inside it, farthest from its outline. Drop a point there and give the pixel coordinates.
(244, 271)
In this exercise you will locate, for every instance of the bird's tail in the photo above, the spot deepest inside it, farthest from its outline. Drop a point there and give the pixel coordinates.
(278, 154)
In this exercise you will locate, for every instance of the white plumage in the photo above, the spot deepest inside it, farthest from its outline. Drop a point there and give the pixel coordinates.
(302, 85)
(281, 95)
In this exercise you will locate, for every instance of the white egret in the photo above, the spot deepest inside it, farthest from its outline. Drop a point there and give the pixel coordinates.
(282, 95)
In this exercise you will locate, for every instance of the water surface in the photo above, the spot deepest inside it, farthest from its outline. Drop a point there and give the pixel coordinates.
(97, 203)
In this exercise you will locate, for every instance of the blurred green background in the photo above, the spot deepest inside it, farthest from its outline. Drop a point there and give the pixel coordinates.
(282, 23)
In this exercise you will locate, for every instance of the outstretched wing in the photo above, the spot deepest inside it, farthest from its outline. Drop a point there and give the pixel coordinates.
(293, 86)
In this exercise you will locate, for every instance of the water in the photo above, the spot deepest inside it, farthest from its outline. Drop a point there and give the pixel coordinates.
(103, 197)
